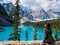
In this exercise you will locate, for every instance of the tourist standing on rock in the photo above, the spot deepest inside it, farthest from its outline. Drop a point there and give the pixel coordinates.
(48, 34)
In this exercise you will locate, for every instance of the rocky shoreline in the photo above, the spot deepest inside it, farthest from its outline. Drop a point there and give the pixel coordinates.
(35, 42)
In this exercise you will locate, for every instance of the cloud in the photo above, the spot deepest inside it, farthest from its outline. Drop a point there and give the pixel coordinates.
(34, 4)
(56, 6)
(8, 1)
(45, 4)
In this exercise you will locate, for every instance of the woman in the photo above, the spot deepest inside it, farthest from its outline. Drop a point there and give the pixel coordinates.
(48, 34)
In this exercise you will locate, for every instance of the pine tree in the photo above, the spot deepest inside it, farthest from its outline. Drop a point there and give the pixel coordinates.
(56, 32)
(35, 34)
(15, 34)
(26, 35)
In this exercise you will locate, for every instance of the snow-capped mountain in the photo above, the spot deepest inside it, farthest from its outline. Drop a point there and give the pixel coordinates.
(53, 14)
(48, 15)
(40, 14)
(9, 8)
(24, 11)
(4, 18)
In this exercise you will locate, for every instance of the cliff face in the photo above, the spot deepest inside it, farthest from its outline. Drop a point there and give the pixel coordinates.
(4, 18)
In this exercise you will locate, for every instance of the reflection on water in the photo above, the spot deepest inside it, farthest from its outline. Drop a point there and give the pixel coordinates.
(4, 35)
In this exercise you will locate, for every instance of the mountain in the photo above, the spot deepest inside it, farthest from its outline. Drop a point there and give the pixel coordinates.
(7, 13)
(40, 14)
(9, 7)
(24, 11)
(4, 18)
(53, 14)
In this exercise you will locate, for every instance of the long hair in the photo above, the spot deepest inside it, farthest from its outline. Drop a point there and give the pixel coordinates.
(47, 25)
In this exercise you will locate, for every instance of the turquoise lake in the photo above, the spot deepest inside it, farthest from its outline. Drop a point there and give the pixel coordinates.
(6, 31)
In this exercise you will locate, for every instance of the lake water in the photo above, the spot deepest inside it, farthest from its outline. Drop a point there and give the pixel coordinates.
(6, 31)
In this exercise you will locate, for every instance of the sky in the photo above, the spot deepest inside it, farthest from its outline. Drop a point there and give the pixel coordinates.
(34, 4)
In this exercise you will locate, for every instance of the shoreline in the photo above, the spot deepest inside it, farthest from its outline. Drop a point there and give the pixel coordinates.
(34, 42)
